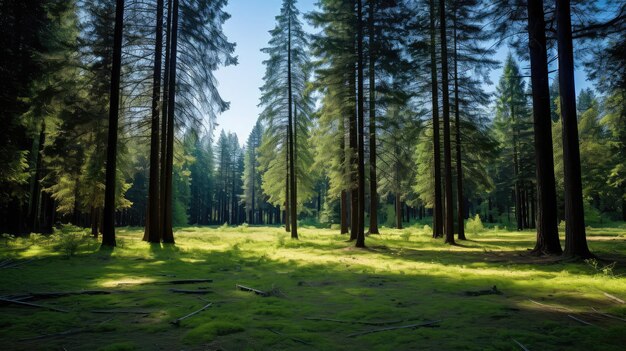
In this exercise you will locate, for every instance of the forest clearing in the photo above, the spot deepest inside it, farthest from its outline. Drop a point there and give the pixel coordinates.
(485, 294)
(313, 175)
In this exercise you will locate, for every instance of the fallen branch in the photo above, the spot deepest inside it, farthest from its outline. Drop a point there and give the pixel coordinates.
(289, 337)
(493, 291)
(177, 321)
(579, 320)
(614, 298)
(15, 302)
(608, 315)
(64, 333)
(410, 326)
(121, 311)
(520, 345)
(358, 322)
(55, 294)
(256, 291)
(183, 291)
(555, 308)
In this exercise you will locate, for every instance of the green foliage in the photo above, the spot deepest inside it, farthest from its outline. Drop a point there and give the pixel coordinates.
(69, 239)
(475, 225)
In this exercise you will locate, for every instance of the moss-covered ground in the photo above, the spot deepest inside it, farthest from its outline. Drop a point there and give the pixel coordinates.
(403, 277)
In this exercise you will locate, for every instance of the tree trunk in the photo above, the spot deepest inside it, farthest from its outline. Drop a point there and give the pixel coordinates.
(373, 227)
(447, 152)
(108, 235)
(398, 204)
(287, 190)
(438, 203)
(167, 232)
(360, 234)
(290, 134)
(460, 211)
(353, 165)
(152, 230)
(35, 193)
(575, 236)
(164, 114)
(344, 212)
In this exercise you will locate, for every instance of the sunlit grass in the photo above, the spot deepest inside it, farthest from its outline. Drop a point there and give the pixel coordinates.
(403, 274)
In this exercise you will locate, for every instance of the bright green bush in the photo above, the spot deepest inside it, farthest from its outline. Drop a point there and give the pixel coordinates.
(474, 225)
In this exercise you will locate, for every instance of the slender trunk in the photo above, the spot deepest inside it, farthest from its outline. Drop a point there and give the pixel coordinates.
(164, 114)
(344, 212)
(398, 204)
(460, 211)
(373, 227)
(291, 125)
(447, 152)
(167, 232)
(34, 205)
(353, 163)
(108, 235)
(438, 203)
(575, 236)
(152, 230)
(287, 191)
(360, 234)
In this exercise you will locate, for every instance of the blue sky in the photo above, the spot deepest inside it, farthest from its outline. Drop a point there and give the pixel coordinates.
(248, 27)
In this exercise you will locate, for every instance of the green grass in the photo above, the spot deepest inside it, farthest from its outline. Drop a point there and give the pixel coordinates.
(403, 275)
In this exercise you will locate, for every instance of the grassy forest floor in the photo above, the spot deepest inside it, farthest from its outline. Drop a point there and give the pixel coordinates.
(403, 278)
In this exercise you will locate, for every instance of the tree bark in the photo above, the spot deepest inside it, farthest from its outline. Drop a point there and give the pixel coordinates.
(291, 126)
(353, 164)
(108, 235)
(152, 230)
(575, 236)
(460, 211)
(447, 152)
(167, 232)
(360, 234)
(398, 205)
(373, 227)
(164, 114)
(438, 203)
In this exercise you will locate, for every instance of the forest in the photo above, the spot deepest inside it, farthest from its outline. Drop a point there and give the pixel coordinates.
(421, 174)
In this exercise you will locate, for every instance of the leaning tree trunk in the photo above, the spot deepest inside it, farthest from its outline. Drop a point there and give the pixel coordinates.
(108, 230)
(360, 234)
(291, 125)
(167, 232)
(152, 231)
(373, 227)
(447, 152)
(575, 236)
(438, 203)
(460, 211)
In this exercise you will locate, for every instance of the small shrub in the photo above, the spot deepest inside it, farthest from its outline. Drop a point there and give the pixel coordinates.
(224, 226)
(335, 226)
(427, 229)
(562, 225)
(68, 239)
(475, 225)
